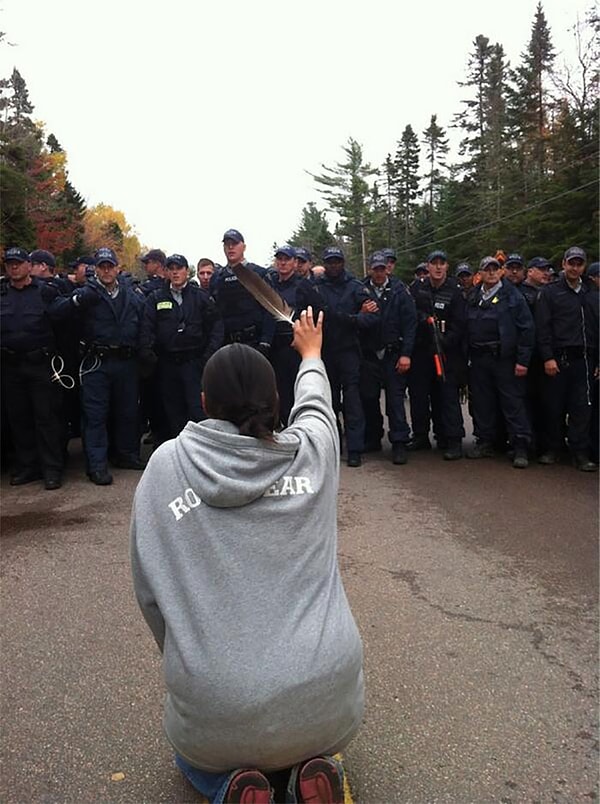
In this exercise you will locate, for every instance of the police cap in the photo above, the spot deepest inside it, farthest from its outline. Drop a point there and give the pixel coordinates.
(575, 253)
(333, 253)
(16, 254)
(437, 255)
(106, 255)
(41, 255)
(288, 251)
(304, 254)
(177, 259)
(233, 234)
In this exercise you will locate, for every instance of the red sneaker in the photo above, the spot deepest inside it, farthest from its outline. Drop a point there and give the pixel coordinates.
(320, 782)
(249, 787)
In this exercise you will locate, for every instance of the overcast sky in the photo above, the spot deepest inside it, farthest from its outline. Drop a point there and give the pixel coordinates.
(193, 117)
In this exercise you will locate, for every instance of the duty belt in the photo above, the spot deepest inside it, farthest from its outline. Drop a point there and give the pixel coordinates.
(111, 351)
(488, 348)
(33, 356)
(246, 335)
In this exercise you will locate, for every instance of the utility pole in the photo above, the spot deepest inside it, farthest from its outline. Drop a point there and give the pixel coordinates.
(363, 244)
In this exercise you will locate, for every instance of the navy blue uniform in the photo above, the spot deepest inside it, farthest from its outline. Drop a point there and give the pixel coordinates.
(500, 334)
(341, 299)
(535, 379)
(284, 358)
(562, 318)
(33, 402)
(244, 319)
(381, 348)
(183, 336)
(430, 397)
(109, 383)
(153, 283)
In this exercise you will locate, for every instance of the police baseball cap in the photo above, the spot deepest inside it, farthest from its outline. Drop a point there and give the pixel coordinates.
(106, 255)
(304, 254)
(575, 253)
(289, 251)
(437, 255)
(463, 268)
(86, 259)
(177, 259)
(16, 254)
(388, 253)
(516, 259)
(378, 259)
(488, 262)
(594, 269)
(41, 255)
(233, 234)
(421, 269)
(333, 253)
(155, 255)
(540, 262)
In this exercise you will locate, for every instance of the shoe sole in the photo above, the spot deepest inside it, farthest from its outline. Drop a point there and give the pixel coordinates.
(248, 787)
(319, 782)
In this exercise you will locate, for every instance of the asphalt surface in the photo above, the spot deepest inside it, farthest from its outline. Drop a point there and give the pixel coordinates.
(475, 588)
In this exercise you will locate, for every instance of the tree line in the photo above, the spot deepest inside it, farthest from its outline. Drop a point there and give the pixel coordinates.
(525, 177)
(40, 207)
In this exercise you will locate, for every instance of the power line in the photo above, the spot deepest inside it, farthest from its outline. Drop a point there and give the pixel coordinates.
(499, 220)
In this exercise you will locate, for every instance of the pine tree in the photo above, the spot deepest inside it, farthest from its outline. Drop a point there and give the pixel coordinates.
(346, 190)
(406, 189)
(313, 232)
(436, 150)
(531, 99)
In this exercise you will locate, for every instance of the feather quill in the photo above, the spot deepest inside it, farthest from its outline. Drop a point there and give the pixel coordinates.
(264, 293)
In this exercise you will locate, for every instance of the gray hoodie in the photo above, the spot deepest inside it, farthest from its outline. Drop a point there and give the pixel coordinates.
(233, 553)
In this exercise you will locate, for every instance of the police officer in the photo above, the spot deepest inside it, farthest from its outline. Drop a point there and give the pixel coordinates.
(81, 268)
(182, 328)
(284, 359)
(154, 264)
(562, 320)
(112, 312)
(33, 401)
(390, 263)
(437, 360)
(244, 320)
(464, 277)
(304, 262)
(348, 309)
(537, 276)
(386, 357)
(500, 333)
(204, 272)
(514, 269)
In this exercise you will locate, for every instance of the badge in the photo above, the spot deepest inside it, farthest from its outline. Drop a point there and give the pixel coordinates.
(164, 305)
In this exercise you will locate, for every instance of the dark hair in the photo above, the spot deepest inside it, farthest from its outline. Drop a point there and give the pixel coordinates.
(239, 387)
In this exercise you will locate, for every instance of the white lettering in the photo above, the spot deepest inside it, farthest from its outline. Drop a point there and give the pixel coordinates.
(192, 498)
(178, 507)
(303, 485)
(272, 491)
(288, 486)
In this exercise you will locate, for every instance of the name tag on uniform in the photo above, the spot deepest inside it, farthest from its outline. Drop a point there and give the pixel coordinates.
(164, 305)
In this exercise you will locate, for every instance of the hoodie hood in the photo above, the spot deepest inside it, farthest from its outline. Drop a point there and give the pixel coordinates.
(229, 469)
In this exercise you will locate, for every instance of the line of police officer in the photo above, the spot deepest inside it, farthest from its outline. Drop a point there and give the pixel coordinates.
(379, 335)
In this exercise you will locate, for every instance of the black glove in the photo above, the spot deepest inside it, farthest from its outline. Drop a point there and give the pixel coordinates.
(84, 297)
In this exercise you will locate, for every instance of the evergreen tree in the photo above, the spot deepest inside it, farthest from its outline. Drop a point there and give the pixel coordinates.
(531, 100)
(346, 190)
(313, 232)
(436, 150)
(472, 118)
(406, 164)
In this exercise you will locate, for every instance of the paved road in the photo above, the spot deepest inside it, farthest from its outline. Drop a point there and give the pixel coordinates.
(475, 587)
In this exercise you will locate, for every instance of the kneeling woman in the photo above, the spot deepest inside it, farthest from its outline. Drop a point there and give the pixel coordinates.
(233, 550)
